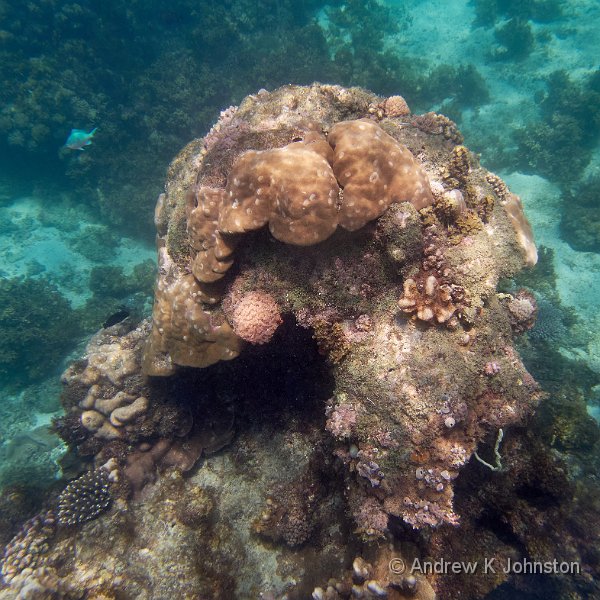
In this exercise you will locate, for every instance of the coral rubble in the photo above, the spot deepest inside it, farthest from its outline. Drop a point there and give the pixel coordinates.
(315, 220)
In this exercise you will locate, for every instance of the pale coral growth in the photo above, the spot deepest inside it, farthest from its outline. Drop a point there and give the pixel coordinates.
(499, 187)
(341, 420)
(369, 469)
(370, 517)
(226, 123)
(514, 209)
(491, 368)
(423, 513)
(127, 413)
(522, 308)
(105, 416)
(451, 205)
(458, 456)
(363, 323)
(256, 317)
(395, 106)
(439, 125)
(109, 362)
(392, 107)
(41, 583)
(429, 300)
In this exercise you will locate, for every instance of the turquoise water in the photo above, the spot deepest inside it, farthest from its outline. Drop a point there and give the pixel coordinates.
(521, 80)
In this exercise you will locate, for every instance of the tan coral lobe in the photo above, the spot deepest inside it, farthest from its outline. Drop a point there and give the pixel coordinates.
(291, 188)
(374, 171)
(213, 257)
(186, 333)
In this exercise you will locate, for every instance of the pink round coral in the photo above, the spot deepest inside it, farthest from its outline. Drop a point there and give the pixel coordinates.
(256, 317)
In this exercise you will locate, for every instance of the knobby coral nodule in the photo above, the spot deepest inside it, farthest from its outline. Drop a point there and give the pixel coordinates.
(84, 498)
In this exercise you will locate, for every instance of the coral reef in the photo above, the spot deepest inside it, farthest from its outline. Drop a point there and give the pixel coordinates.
(442, 282)
(378, 413)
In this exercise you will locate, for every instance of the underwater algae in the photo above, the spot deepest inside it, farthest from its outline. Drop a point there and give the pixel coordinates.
(373, 358)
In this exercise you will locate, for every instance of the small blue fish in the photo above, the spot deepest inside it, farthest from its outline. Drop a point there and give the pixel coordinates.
(78, 138)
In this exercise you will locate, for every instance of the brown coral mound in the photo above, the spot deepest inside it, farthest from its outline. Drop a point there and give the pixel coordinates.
(256, 317)
(214, 250)
(374, 170)
(292, 188)
(184, 332)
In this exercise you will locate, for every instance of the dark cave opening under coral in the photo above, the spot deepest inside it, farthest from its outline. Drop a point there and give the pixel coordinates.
(266, 386)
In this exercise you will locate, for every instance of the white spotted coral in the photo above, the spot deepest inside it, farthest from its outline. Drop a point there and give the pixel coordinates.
(374, 171)
(84, 498)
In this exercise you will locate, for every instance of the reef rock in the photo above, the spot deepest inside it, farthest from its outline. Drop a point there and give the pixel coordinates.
(304, 161)
(309, 211)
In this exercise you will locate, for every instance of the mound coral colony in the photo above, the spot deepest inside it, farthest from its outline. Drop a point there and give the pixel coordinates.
(347, 254)
(492, 566)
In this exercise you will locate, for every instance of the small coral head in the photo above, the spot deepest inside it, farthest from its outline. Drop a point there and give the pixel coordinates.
(256, 317)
